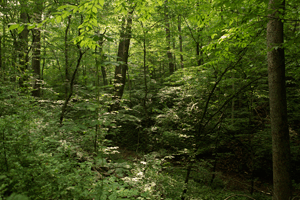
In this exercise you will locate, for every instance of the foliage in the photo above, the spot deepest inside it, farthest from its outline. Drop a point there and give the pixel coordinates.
(210, 115)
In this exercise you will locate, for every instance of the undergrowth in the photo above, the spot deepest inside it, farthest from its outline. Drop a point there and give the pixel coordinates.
(42, 159)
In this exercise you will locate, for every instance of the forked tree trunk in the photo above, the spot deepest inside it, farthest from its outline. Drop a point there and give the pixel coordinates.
(123, 54)
(278, 104)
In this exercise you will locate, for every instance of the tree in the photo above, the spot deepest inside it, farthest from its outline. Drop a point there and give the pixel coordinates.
(23, 43)
(100, 60)
(168, 39)
(180, 41)
(278, 104)
(123, 54)
(36, 52)
(207, 116)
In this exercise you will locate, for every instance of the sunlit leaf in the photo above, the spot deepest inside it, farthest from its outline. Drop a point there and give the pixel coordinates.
(94, 9)
(13, 26)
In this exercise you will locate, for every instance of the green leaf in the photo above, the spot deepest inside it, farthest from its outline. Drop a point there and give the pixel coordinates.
(94, 9)
(31, 26)
(101, 2)
(17, 197)
(66, 14)
(3, 177)
(20, 29)
(96, 38)
(58, 19)
(108, 38)
(13, 26)
(63, 7)
(75, 10)
(160, 3)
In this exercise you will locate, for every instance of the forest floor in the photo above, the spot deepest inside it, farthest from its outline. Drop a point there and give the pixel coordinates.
(232, 183)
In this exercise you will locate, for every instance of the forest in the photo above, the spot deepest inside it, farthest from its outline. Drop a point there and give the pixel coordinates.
(149, 99)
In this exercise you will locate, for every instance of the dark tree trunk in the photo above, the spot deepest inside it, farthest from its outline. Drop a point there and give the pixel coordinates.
(199, 52)
(104, 75)
(145, 74)
(2, 46)
(67, 56)
(180, 41)
(36, 52)
(99, 62)
(36, 62)
(168, 39)
(2, 38)
(22, 47)
(278, 104)
(1, 54)
(123, 54)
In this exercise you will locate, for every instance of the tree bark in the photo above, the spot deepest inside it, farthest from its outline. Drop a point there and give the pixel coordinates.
(1, 54)
(123, 54)
(199, 53)
(145, 74)
(3, 38)
(22, 47)
(66, 40)
(278, 104)
(99, 62)
(168, 39)
(180, 41)
(36, 52)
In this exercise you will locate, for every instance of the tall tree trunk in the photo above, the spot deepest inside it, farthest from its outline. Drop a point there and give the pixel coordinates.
(2, 39)
(67, 56)
(36, 62)
(104, 75)
(3, 43)
(44, 57)
(278, 104)
(36, 52)
(168, 39)
(232, 101)
(1, 54)
(180, 41)
(145, 74)
(123, 54)
(174, 56)
(199, 53)
(99, 62)
(23, 44)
